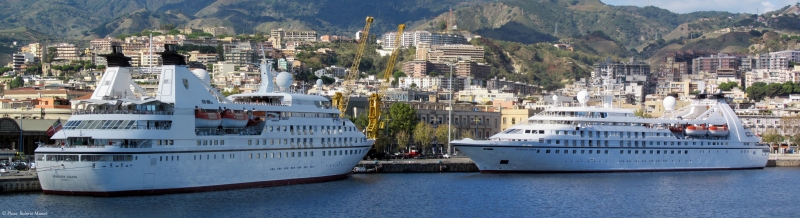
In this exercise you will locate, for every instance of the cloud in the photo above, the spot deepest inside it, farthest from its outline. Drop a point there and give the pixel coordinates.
(687, 6)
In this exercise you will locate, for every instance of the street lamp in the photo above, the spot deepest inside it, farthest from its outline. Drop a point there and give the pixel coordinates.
(386, 127)
(450, 112)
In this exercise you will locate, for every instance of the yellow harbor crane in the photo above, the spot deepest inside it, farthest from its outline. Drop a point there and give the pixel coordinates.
(375, 98)
(342, 99)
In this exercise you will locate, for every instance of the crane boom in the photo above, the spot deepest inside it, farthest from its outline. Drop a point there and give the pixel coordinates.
(375, 98)
(342, 99)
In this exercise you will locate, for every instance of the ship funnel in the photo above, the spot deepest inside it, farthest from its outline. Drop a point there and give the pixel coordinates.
(116, 58)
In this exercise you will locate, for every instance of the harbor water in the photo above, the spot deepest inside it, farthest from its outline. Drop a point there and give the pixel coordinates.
(770, 192)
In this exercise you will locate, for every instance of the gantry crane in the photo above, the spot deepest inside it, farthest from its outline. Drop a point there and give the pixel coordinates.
(375, 98)
(342, 99)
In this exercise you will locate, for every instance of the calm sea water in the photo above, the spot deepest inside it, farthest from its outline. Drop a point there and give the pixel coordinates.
(751, 193)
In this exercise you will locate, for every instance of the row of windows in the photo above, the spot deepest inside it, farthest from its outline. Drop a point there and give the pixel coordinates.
(118, 124)
(567, 151)
(128, 158)
(271, 155)
(214, 156)
(85, 158)
(593, 143)
(210, 142)
(306, 141)
(325, 130)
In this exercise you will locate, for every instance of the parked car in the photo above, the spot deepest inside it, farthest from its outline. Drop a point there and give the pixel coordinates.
(21, 166)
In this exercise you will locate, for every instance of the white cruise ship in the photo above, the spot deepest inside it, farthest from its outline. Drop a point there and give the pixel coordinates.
(190, 138)
(705, 135)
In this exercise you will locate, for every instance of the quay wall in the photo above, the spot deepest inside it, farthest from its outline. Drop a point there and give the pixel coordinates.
(21, 184)
(401, 167)
(783, 163)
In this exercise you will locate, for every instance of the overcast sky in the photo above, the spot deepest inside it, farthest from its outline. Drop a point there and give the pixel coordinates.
(686, 6)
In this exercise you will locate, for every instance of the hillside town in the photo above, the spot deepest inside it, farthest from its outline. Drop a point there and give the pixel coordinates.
(445, 69)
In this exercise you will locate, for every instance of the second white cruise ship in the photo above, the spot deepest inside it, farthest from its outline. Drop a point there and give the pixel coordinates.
(705, 135)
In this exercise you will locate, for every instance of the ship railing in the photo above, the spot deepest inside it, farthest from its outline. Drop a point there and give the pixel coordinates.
(117, 145)
(72, 146)
(84, 111)
(259, 103)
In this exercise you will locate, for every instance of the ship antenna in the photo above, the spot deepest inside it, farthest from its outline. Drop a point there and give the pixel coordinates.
(266, 73)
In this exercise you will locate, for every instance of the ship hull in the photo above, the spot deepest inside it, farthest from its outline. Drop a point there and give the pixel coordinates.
(536, 159)
(181, 172)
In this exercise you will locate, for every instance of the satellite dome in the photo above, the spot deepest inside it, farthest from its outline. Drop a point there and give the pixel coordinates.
(319, 83)
(555, 98)
(669, 103)
(284, 80)
(583, 96)
(202, 75)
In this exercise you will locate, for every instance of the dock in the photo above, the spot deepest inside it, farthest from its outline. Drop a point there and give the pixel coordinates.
(784, 160)
(419, 165)
(22, 181)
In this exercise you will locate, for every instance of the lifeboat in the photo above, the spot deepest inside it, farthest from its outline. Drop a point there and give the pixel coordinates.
(204, 119)
(231, 119)
(696, 130)
(718, 130)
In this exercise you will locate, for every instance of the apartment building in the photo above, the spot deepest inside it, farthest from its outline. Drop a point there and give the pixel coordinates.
(714, 62)
(66, 51)
(453, 53)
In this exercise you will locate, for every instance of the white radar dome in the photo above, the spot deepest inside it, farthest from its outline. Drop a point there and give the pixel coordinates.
(202, 75)
(669, 103)
(319, 83)
(555, 98)
(583, 96)
(284, 80)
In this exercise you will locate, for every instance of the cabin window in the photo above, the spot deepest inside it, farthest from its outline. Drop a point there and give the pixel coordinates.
(548, 151)
(556, 151)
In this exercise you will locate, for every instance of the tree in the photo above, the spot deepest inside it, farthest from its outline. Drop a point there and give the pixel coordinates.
(403, 118)
(774, 89)
(402, 140)
(757, 91)
(433, 74)
(361, 121)
(51, 54)
(423, 135)
(313, 79)
(327, 80)
(17, 82)
(398, 74)
(382, 142)
(441, 135)
(412, 86)
(772, 137)
(221, 52)
(101, 67)
(727, 86)
(467, 134)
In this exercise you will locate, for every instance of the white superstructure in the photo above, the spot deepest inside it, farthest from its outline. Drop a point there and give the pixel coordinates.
(191, 138)
(705, 135)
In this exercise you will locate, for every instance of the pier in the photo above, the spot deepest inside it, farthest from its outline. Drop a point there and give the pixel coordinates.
(22, 181)
(784, 160)
(419, 165)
